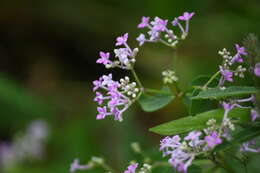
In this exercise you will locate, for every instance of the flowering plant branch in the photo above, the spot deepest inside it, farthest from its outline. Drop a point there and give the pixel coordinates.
(202, 134)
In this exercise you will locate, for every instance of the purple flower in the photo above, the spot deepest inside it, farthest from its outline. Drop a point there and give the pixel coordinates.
(254, 114)
(103, 58)
(213, 139)
(131, 168)
(154, 35)
(116, 101)
(169, 142)
(122, 54)
(141, 39)
(257, 69)
(240, 50)
(121, 39)
(193, 135)
(76, 166)
(227, 75)
(227, 106)
(97, 84)
(102, 112)
(237, 58)
(247, 147)
(186, 16)
(159, 24)
(175, 22)
(144, 23)
(99, 98)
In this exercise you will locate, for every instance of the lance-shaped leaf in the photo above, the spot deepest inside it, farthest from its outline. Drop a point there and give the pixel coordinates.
(152, 102)
(198, 122)
(233, 91)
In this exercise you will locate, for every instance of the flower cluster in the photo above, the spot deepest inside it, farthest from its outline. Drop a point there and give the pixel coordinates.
(125, 56)
(183, 151)
(27, 146)
(227, 68)
(169, 77)
(159, 32)
(118, 96)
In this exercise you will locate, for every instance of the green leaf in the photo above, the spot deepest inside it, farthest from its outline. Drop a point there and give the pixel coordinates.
(199, 121)
(158, 100)
(233, 91)
(198, 106)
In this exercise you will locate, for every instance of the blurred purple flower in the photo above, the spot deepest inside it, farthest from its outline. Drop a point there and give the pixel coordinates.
(257, 69)
(121, 39)
(186, 16)
(103, 58)
(175, 22)
(131, 168)
(213, 139)
(254, 114)
(141, 39)
(159, 24)
(227, 75)
(240, 50)
(144, 23)
(76, 166)
(102, 112)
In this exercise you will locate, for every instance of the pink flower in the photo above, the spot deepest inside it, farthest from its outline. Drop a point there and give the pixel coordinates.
(121, 39)
(103, 58)
(227, 75)
(144, 23)
(186, 16)
(213, 139)
(254, 115)
(159, 24)
(240, 50)
(102, 112)
(257, 69)
(131, 168)
(141, 39)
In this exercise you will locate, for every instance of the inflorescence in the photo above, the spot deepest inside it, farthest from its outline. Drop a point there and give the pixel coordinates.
(115, 97)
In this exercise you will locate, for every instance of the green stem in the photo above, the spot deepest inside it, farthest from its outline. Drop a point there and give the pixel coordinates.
(153, 90)
(210, 80)
(165, 43)
(108, 168)
(137, 79)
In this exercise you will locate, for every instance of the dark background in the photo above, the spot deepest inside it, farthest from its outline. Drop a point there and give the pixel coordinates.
(48, 51)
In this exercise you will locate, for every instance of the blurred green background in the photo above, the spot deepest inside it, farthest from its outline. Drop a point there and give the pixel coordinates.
(48, 51)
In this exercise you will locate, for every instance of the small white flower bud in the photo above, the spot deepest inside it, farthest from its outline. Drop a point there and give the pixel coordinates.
(127, 79)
